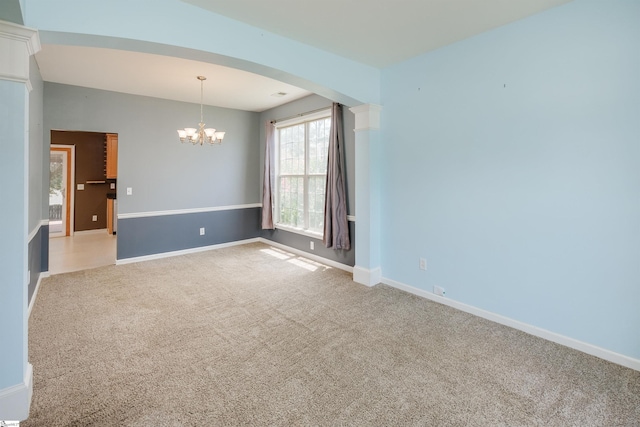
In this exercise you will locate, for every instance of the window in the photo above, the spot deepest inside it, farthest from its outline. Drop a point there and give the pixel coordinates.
(301, 171)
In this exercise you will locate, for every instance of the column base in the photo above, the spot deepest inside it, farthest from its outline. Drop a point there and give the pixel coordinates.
(15, 401)
(367, 277)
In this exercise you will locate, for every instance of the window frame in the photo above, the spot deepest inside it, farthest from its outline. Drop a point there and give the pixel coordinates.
(301, 119)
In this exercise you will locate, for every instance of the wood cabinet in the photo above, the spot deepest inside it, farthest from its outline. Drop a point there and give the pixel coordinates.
(112, 156)
(110, 216)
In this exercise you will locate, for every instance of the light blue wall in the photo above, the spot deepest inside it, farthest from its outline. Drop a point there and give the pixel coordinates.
(163, 173)
(178, 24)
(13, 229)
(513, 166)
(38, 156)
(369, 166)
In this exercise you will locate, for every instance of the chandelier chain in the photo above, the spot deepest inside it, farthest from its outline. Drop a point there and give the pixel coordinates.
(201, 99)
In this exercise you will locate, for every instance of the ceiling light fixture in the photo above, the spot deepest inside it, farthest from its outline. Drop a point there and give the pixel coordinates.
(201, 135)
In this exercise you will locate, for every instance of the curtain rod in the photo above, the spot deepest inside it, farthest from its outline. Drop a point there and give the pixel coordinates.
(300, 115)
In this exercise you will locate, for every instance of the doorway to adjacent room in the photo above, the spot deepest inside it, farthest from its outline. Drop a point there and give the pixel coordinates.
(82, 205)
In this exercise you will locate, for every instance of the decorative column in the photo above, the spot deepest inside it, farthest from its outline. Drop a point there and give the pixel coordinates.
(17, 44)
(367, 270)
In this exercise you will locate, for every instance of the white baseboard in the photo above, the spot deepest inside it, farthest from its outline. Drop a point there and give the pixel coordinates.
(42, 275)
(15, 401)
(311, 256)
(367, 277)
(183, 252)
(584, 347)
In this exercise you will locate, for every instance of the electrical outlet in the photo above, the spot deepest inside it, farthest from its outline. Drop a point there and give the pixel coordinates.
(202, 231)
(112, 186)
(311, 245)
(438, 290)
(423, 264)
(94, 218)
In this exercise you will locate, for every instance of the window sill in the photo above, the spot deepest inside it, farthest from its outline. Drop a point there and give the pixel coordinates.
(299, 231)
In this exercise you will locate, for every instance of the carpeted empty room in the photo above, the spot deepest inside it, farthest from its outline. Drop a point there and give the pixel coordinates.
(252, 335)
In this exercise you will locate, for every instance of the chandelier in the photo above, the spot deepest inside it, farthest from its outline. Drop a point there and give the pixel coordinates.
(200, 135)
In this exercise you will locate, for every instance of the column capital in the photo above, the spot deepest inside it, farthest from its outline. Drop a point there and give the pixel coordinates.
(17, 44)
(367, 116)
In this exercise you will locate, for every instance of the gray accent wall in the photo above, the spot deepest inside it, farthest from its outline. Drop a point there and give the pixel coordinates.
(301, 241)
(168, 233)
(44, 248)
(164, 174)
(38, 258)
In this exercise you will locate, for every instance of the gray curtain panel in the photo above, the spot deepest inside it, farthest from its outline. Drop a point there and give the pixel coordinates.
(336, 227)
(267, 182)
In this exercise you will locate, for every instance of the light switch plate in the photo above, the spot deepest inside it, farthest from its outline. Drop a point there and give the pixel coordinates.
(129, 191)
(80, 186)
(112, 186)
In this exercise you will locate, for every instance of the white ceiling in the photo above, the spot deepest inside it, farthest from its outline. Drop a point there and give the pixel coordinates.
(161, 77)
(377, 32)
(374, 32)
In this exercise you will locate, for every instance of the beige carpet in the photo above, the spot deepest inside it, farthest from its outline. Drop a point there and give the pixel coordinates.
(251, 336)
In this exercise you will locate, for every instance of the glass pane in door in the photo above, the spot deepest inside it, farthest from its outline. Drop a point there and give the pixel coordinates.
(57, 190)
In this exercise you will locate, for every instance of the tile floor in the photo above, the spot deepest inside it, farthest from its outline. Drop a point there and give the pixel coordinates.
(81, 251)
